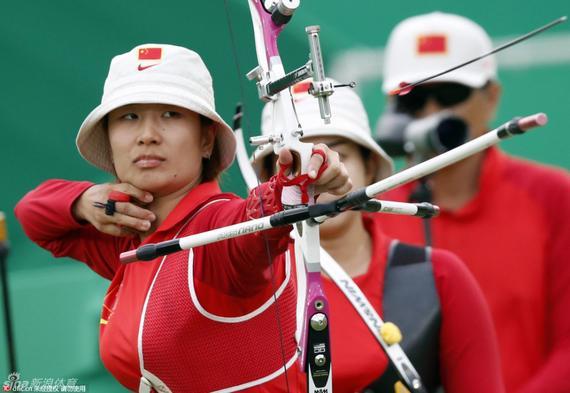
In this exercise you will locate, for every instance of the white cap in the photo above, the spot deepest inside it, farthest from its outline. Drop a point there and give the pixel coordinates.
(154, 74)
(425, 45)
(348, 120)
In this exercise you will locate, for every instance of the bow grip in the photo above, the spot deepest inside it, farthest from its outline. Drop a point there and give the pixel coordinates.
(301, 151)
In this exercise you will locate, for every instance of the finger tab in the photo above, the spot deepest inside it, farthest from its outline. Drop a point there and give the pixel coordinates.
(119, 196)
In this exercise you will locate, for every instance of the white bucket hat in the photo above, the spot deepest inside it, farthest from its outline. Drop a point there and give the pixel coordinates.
(424, 45)
(348, 120)
(154, 74)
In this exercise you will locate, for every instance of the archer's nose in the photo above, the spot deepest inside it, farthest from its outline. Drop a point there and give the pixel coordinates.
(150, 133)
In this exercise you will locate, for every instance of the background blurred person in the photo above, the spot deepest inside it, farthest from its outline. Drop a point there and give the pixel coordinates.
(428, 293)
(505, 217)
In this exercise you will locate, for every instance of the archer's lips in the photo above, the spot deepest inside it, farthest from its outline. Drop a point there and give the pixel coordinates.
(148, 161)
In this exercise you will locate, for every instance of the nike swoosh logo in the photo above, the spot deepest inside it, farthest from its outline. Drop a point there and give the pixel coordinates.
(141, 67)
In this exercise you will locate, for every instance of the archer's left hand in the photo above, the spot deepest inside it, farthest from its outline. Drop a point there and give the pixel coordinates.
(332, 179)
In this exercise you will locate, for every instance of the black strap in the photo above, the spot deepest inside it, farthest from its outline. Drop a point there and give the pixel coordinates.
(402, 254)
(411, 301)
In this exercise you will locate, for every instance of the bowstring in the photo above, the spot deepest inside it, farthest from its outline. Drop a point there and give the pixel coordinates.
(263, 234)
(294, 108)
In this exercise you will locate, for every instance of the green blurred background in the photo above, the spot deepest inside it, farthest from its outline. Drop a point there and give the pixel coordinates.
(55, 57)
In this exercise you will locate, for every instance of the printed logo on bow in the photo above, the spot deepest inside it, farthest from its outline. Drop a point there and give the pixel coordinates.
(149, 57)
(433, 44)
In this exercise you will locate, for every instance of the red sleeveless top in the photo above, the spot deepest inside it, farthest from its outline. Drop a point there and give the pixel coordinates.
(185, 347)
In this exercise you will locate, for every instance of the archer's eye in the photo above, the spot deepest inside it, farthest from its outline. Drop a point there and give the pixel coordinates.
(171, 114)
(130, 116)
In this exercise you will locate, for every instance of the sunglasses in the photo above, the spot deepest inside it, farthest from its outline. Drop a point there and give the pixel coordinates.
(445, 94)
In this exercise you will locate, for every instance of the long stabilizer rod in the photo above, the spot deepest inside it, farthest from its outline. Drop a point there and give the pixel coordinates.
(319, 212)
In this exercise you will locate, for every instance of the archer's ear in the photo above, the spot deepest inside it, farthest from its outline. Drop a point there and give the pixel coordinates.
(208, 139)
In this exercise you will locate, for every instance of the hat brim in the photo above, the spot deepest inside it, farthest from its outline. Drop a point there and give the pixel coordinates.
(93, 142)
(464, 78)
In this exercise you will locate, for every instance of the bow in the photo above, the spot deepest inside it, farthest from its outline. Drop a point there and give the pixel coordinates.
(272, 84)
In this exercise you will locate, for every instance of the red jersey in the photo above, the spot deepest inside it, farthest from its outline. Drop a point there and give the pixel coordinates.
(191, 321)
(514, 237)
(468, 351)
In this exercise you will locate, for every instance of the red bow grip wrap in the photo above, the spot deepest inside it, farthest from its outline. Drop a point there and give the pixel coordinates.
(302, 181)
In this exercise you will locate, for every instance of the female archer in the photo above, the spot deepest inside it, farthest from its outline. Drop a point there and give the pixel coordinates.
(428, 293)
(200, 320)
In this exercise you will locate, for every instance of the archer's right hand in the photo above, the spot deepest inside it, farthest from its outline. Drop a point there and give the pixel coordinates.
(129, 217)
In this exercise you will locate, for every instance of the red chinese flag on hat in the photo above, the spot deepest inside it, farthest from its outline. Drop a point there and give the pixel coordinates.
(150, 53)
(432, 44)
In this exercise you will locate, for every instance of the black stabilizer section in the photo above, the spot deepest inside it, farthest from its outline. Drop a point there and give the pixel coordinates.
(148, 252)
(355, 198)
(289, 216)
(292, 216)
(510, 128)
(427, 210)
(370, 206)
(323, 209)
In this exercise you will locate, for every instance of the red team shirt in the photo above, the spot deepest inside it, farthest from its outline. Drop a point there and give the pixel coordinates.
(468, 357)
(468, 353)
(514, 237)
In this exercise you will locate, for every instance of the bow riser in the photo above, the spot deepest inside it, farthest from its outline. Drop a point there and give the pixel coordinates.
(273, 84)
